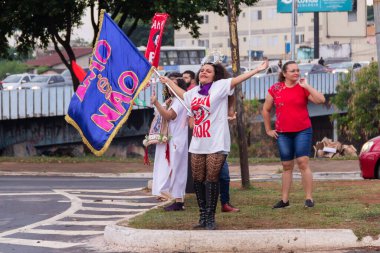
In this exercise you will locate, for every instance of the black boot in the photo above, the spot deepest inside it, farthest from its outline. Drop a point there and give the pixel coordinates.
(212, 194)
(199, 188)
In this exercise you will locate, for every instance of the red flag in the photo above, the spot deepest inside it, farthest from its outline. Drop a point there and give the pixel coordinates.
(78, 71)
(152, 52)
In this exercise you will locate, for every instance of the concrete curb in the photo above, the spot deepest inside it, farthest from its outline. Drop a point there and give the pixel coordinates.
(234, 176)
(301, 240)
(66, 174)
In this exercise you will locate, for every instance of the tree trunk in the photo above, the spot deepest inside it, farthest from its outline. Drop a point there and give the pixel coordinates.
(242, 138)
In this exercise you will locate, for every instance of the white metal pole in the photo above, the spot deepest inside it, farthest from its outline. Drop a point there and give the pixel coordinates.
(175, 94)
(294, 25)
(249, 38)
(376, 10)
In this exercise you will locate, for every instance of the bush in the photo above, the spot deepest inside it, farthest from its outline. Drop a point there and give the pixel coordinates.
(360, 96)
(12, 67)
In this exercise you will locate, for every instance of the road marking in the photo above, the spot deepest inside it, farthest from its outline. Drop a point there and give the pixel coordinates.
(64, 232)
(39, 243)
(112, 196)
(84, 223)
(103, 190)
(96, 216)
(120, 203)
(28, 193)
(75, 206)
(113, 209)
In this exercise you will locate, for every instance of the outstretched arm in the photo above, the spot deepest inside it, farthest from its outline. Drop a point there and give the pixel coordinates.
(241, 78)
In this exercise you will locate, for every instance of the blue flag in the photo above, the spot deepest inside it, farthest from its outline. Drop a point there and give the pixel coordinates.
(103, 101)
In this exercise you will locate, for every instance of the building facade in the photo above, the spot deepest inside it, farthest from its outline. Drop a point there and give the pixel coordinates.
(263, 31)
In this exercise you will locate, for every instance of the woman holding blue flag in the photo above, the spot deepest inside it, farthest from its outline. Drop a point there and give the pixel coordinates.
(211, 136)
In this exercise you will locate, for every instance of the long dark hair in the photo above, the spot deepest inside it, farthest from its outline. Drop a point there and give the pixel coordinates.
(220, 72)
(281, 77)
(180, 82)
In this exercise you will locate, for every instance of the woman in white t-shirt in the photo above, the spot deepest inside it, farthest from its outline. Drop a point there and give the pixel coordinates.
(211, 136)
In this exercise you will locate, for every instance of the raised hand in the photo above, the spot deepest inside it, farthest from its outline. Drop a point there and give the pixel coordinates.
(153, 99)
(263, 65)
(303, 82)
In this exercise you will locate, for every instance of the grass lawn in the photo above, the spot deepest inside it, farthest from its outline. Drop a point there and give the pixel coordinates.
(339, 204)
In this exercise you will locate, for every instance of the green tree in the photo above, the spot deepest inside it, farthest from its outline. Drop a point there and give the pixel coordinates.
(360, 96)
(38, 22)
(11, 67)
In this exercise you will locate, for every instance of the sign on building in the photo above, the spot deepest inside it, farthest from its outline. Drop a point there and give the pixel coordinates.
(315, 5)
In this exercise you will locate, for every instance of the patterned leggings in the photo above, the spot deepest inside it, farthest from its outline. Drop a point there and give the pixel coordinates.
(207, 166)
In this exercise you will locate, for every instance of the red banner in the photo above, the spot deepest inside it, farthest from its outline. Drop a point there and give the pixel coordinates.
(152, 52)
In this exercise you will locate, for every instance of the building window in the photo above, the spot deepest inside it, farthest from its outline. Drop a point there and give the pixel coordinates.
(259, 15)
(353, 15)
(244, 39)
(203, 43)
(243, 14)
(215, 27)
(300, 38)
(256, 15)
(192, 42)
(285, 37)
(228, 42)
(205, 19)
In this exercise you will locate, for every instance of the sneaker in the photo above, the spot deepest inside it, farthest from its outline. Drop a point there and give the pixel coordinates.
(176, 206)
(309, 203)
(281, 204)
(229, 208)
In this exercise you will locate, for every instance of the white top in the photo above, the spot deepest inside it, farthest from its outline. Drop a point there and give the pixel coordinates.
(211, 133)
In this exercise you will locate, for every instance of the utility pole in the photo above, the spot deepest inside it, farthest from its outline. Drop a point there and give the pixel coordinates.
(316, 35)
(294, 25)
(242, 137)
(376, 12)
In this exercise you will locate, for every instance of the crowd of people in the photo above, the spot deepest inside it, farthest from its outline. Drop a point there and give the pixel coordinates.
(206, 94)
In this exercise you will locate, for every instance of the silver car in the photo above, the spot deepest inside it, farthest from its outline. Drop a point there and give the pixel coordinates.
(13, 82)
(43, 81)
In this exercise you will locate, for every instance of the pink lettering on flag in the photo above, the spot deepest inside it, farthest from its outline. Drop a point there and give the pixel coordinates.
(104, 121)
(117, 99)
(123, 86)
(82, 88)
(102, 44)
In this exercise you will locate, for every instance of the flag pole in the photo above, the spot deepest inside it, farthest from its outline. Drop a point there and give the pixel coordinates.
(175, 94)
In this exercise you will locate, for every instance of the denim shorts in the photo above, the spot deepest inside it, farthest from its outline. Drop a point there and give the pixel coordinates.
(294, 144)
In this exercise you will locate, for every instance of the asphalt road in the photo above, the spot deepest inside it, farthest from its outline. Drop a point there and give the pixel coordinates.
(64, 214)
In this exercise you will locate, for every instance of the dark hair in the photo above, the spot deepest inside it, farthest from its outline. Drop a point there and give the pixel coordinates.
(180, 82)
(281, 77)
(191, 73)
(220, 72)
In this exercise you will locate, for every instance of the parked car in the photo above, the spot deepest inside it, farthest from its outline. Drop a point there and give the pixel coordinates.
(344, 67)
(311, 68)
(43, 81)
(272, 69)
(13, 82)
(369, 159)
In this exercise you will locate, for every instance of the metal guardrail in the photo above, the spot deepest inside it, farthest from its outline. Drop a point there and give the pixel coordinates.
(54, 101)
